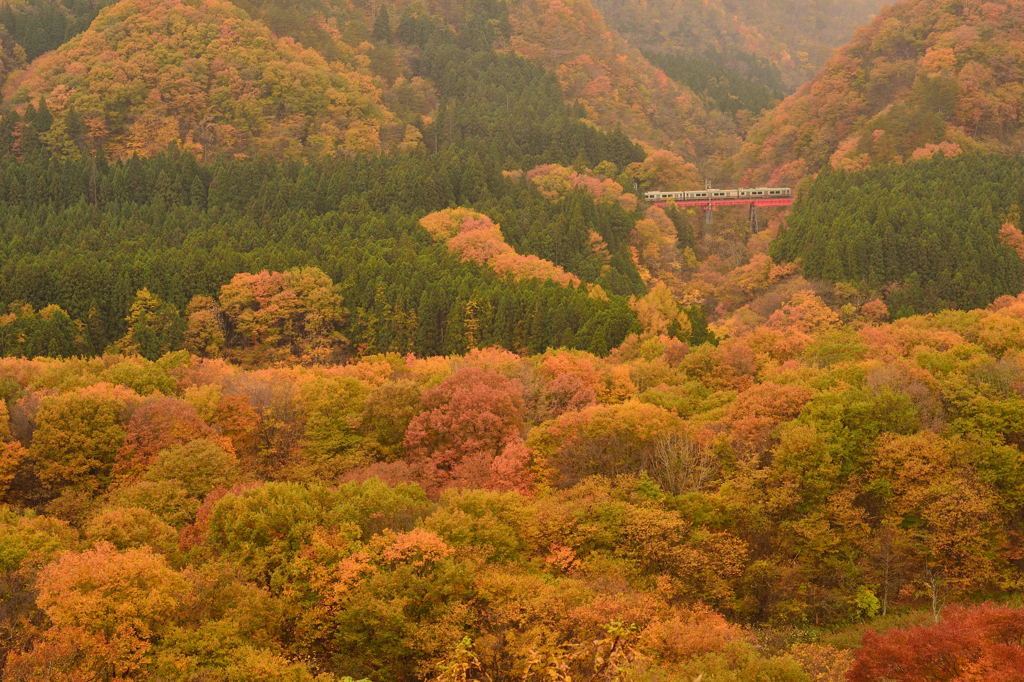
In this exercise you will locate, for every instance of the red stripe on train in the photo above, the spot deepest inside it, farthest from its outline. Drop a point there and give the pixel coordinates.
(704, 203)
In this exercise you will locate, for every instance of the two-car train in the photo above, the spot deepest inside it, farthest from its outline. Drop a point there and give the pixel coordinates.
(721, 194)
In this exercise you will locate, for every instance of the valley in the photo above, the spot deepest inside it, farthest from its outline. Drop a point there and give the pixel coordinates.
(501, 340)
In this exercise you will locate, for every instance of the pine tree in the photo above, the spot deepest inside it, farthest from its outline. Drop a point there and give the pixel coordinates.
(382, 26)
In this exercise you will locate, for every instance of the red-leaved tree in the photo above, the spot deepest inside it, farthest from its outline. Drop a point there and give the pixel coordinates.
(469, 432)
(981, 643)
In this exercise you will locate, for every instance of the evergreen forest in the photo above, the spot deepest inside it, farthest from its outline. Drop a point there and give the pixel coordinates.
(925, 235)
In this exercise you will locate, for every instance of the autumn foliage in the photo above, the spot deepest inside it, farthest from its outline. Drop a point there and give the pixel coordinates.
(923, 79)
(306, 410)
(616, 83)
(473, 236)
(540, 514)
(554, 182)
(267, 316)
(227, 86)
(981, 643)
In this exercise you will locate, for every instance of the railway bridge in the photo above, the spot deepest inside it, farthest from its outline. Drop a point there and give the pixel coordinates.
(709, 199)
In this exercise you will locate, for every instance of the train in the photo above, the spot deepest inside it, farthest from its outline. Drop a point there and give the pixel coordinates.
(721, 194)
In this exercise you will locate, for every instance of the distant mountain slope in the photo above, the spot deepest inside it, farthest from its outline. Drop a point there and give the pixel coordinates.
(595, 66)
(39, 26)
(740, 43)
(615, 83)
(204, 74)
(801, 35)
(924, 77)
(333, 76)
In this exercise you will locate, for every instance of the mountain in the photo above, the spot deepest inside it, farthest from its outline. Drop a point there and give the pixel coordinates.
(334, 76)
(800, 35)
(202, 74)
(739, 46)
(924, 77)
(616, 85)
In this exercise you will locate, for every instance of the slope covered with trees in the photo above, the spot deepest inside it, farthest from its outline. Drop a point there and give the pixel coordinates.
(138, 80)
(741, 54)
(178, 230)
(420, 81)
(335, 77)
(86, 237)
(616, 85)
(925, 235)
(800, 35)
(497, 104)
(924, 77)
(38, 26)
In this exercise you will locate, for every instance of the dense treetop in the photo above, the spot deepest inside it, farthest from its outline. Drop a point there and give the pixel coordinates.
(87, 237)
(818, 477)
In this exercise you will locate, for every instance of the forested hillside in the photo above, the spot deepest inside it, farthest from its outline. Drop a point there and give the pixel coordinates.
(38, 26)
(86, 237)
(616, 85)
(332, 78)
(741, 54)
(136, 82)
(563, 261)
(491, 515)
(924, 78)
(801, 35)
(925, 236)
(338, 342)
